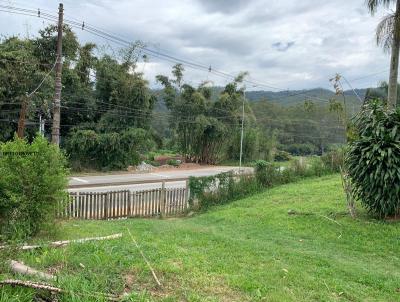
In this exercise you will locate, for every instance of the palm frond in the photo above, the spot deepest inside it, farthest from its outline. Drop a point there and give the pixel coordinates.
(374, 4)
(385, 32)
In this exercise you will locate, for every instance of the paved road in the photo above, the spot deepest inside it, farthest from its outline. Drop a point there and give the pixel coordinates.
(141, 181)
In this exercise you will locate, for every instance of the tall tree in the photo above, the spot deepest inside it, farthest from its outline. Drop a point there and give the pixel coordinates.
(388, 36)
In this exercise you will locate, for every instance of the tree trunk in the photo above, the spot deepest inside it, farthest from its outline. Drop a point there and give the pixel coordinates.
(394, 60)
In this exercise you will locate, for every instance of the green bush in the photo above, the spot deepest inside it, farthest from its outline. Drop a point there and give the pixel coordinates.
(32, 183)
(301, 149)
(221, 189)
(317, 167)
(333, 160)
(373, 159)
(107, 151)
(265, 173)
(173, 162)
(282, 156)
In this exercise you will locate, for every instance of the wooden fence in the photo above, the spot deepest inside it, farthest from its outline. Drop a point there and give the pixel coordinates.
(120, 204)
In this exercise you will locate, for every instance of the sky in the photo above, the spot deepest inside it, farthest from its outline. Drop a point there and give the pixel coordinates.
(283, 44)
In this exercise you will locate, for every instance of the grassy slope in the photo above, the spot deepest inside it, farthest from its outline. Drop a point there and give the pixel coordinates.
(250, 250)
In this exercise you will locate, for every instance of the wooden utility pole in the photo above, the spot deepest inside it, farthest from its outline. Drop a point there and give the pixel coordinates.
(55, 133)
(22, 117)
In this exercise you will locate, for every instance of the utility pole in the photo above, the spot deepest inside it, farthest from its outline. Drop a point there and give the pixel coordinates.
(22, 117)
(55, 133)
(241, 136)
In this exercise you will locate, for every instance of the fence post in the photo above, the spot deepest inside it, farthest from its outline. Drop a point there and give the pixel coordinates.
(163, 199)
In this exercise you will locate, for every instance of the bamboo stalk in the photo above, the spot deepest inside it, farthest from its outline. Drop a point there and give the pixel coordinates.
(145, 260)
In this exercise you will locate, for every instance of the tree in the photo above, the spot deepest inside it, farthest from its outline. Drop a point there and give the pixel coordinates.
(388, 36)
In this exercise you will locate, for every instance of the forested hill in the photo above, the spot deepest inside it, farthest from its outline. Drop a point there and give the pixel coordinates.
(289, 97)
(292, 97)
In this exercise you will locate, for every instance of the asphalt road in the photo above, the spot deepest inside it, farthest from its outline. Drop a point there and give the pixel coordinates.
(142, 181)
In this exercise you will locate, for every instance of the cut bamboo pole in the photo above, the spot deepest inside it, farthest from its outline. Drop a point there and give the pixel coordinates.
(65, 242)
(20, 268)
(145, 259)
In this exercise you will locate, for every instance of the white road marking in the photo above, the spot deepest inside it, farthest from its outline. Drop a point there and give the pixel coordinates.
(79, 179)
(159, 175)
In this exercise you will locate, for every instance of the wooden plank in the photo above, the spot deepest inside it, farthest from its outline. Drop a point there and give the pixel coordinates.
(135, 204)
(153, 208)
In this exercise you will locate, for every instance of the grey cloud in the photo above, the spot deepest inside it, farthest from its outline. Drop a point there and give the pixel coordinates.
(285, 43)
(224, 6)
(281, 46)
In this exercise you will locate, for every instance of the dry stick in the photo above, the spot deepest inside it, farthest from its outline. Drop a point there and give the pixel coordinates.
(65, 242)
(53, 289)
(147, 262)
(329, 219)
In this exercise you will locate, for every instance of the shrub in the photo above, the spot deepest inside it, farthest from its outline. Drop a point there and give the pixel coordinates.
(173, 162)
(301, 149)
(89, 149)
(221, 189)
(282, 156)
(373, 159)
(265, 172)
(317, 167)
(32, 184)
(333, 160)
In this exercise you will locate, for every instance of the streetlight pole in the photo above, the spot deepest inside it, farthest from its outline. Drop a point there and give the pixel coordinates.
(241, 136)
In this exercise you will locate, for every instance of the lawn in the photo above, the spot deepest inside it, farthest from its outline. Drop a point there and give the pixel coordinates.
(249, 250)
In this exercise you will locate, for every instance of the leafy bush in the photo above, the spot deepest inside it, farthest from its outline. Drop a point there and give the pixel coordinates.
(301, 149)
(333, 160)
(173, 162)
(89, 149)
(32, 184)
(265, 173)
(221, 189)
(317, 167)
(373, 159)
(282, 156)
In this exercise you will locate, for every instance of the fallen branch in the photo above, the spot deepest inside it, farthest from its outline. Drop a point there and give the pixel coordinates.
(20, 268)
(65, 242)
(53, 289)
(147, 262)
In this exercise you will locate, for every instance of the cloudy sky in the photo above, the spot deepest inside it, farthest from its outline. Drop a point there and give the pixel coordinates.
(286, 44)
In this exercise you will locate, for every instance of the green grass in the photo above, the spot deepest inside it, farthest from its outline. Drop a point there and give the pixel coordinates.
(249, 250)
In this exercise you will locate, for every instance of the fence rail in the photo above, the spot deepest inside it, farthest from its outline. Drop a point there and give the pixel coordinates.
(120, 204)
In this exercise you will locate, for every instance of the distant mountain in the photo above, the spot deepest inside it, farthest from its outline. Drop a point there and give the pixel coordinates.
(292, 97)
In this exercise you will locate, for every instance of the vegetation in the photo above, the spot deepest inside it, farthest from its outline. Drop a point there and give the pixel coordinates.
(105, 97)
(226, 187)
(373, 159)
(249, 250)
(32, 183)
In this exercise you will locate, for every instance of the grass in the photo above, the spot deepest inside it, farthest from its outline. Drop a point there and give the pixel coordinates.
(249, 250)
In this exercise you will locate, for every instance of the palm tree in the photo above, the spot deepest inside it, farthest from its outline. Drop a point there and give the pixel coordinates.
(388, 36)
